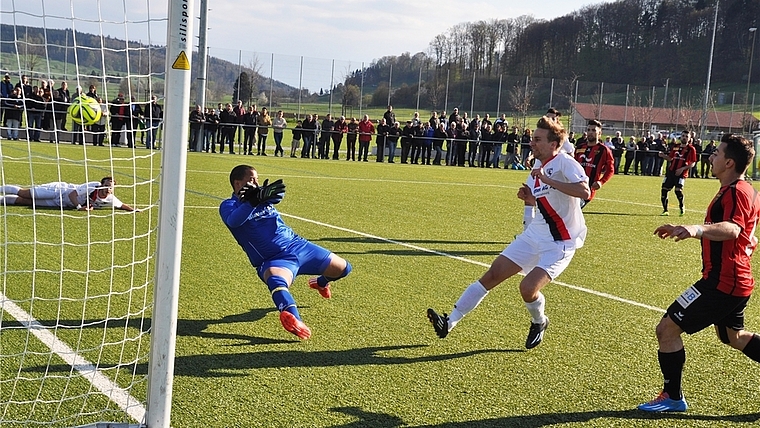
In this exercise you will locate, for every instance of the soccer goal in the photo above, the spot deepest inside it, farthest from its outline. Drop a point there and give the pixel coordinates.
(88, 298)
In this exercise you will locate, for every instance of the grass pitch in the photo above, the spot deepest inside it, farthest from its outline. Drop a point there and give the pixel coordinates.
(416, 237)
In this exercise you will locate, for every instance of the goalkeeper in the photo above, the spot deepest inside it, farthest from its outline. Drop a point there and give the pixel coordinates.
(277, 253)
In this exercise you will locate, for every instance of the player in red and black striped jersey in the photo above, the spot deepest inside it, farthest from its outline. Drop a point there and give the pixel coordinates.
(720, 297)
(682, 157)
(595, 158)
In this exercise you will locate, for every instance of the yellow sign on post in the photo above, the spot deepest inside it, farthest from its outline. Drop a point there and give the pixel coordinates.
(181, 63)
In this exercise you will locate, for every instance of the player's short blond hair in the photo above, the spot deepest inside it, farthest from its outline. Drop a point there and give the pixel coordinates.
(556, 130)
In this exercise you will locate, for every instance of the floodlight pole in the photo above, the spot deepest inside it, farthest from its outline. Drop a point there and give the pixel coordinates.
(752, 30)
(706, 96)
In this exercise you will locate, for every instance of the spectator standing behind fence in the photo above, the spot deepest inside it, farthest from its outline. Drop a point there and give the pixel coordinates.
(697, 144)
(99, 127)
(366, 129)
(525, 146)
(154, 113)
(473, 135)
(323, 144)
(340, 128)
(118, 116)
(264, 123)
(317, 128)
(630, 152)
(513, 147)
(705, 159)
(250, 120)
(486, 146)
(389, 116)
(352, 129)
(278, 126)
(297, 133)
(407, 133)
(451, 144)
(6, 88)
(660, 147)
(77, 130)
(309, 127)
(427, 142)
(417, 133)
(239, 111)
(394, 132)
(380, 140)
(197, 118)
(13, 106)
(617, 150)
(228, 124)
(61, 101)
(439, 136)
(47, 114)
(497, 142)
(209, 130)
(34, 108)
(26, 87)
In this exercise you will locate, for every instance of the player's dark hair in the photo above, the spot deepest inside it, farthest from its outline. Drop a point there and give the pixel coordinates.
(105, 179)
(740, 150)
(553, 111)
(556, 131)
(239, 172)
(595, 123)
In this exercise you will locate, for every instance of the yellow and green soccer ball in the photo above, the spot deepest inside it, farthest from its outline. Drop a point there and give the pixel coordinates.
(85, 110)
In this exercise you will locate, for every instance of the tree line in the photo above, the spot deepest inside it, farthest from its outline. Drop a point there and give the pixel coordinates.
(641, 42)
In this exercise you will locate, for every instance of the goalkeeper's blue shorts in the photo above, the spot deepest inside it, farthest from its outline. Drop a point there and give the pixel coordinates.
(301, 257)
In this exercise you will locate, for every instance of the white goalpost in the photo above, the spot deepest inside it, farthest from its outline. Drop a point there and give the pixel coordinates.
(88, 298)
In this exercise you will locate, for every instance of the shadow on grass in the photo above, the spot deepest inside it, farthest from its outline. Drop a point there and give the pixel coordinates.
(221, 365)
(233, 365)
(383, 420)
(185, 327)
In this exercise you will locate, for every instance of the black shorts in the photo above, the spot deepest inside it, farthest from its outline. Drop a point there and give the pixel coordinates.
(702, 305)
(670, 181)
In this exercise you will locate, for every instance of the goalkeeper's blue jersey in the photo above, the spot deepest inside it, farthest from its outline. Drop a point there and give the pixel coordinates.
(259, 230)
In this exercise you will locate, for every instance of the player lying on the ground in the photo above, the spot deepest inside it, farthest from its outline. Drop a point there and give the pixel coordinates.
(277, 253)
(82, 197)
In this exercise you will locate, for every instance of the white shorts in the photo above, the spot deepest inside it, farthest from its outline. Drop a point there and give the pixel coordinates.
(551, 256)
(52, 195)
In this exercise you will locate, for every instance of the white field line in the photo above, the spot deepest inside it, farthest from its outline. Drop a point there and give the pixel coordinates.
(102, 383)
(462, 259)
(485, 265)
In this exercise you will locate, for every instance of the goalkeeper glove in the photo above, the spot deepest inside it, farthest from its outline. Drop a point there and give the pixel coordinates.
(272, 193)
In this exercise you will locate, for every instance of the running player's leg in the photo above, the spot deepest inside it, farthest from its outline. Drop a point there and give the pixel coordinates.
(501, 269)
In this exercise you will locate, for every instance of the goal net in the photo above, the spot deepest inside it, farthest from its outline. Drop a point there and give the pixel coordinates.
(78, 318)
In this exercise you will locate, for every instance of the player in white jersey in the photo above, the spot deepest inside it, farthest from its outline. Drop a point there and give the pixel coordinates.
(83, 197)
(554, 228)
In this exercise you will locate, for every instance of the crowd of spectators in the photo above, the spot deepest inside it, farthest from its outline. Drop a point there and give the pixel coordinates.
(42, 111)
(453, 140)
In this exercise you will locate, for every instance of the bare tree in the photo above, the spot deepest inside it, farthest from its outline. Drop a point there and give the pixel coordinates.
(520, 96)
(254, 65)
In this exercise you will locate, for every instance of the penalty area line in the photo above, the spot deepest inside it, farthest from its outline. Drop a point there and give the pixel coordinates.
(466, 260)
(102, 383)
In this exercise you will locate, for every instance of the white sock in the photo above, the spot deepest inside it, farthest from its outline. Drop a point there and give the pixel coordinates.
(9, 189)
(536, 309)
(8, 200)
(469, 300)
